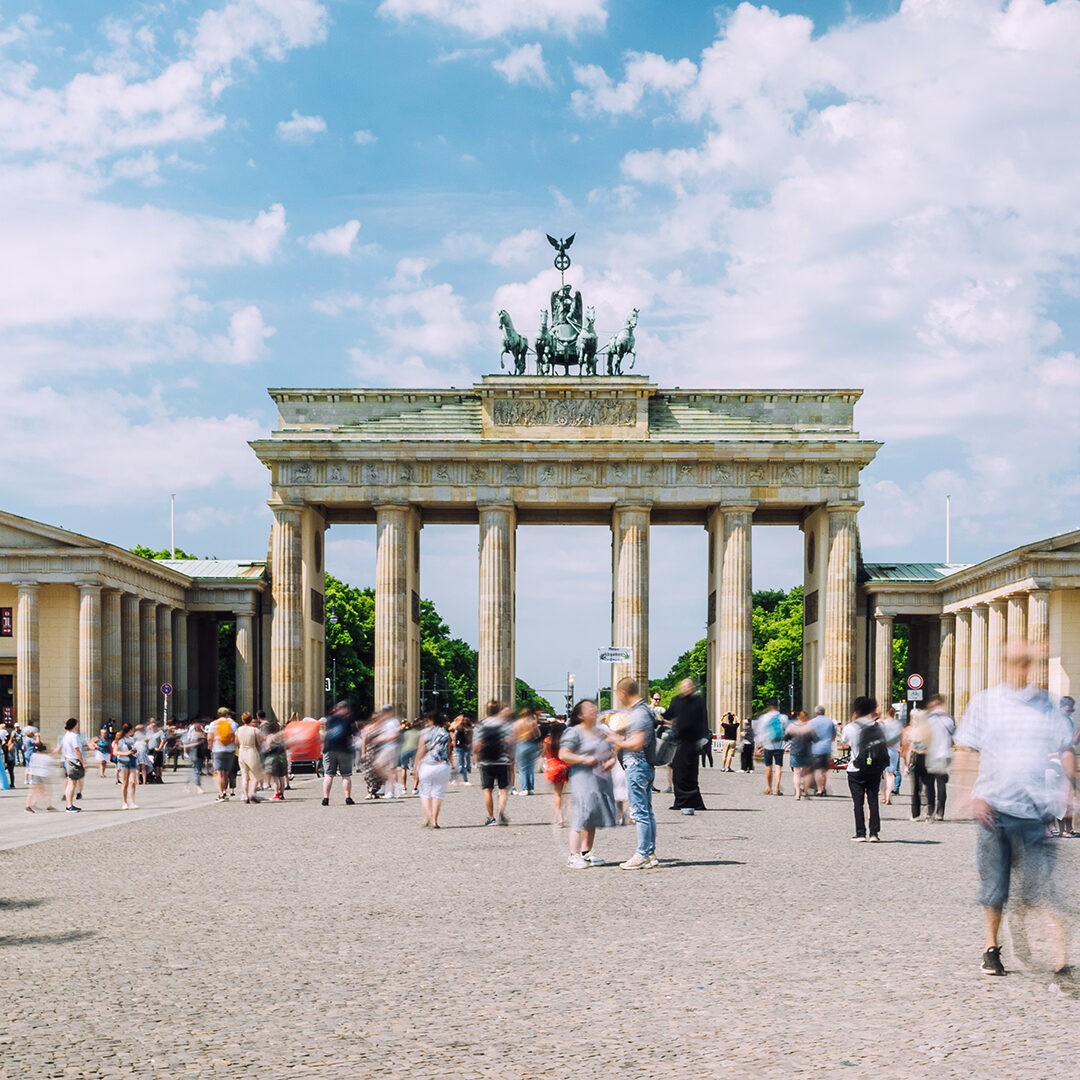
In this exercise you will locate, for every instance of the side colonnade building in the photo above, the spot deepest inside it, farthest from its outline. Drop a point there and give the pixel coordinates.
(962, 618)
(91, 630)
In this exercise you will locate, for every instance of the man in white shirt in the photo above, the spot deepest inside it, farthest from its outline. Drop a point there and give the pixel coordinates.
(862, 735)
(74, 766)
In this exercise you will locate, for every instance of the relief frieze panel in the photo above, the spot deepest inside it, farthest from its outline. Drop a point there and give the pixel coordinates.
(573, 413)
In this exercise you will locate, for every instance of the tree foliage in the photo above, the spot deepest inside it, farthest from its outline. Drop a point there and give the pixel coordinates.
(164, 553)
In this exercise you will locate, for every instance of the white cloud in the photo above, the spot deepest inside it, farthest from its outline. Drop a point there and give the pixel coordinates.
(527, 246)
(364, 137)
(246, 340)
(300, 128)
(493, 18)
(335, 241)
(409, 271)
(644, 73)
(524, 64)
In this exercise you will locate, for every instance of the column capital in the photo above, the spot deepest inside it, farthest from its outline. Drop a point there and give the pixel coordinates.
(86, 587)
(947, 616)
(26, 584)
(497, 504)
(881, 615)
(1000, 604)
(395, 504)
(1041, 585)
(286, 513)
(840, 507)
(244, 611)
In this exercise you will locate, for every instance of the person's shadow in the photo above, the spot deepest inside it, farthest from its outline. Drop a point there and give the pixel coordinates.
(63, 937)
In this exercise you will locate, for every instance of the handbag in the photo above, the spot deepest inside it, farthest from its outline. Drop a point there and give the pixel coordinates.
(74, 769)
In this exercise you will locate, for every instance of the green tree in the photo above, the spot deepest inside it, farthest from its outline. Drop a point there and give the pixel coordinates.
(164, 553)
(900, 644)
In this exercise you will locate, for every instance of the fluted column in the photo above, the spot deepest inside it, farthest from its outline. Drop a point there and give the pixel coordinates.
(1038, 620)
(130, 659)
(245, 682)
(979, 643)
(164, 657)
(883, 658)
(112, 673)
(179, 707)
(962, 678)
(148, 685)
(838, 667)
(1016, 620)
(89, 658)
(995, 648)
(27, 656)
(287, 631)
(947, 659)
(496, 679)
(630, 591)
(735, 642)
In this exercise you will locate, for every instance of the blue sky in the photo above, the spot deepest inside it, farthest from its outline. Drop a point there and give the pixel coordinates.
(198, 201)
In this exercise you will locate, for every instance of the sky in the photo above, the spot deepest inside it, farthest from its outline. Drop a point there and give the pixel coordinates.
(199, 201)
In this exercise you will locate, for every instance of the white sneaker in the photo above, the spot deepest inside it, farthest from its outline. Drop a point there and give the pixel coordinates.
(637, 861)
(594, 860)
(653, 863)
(123, 806)
(577, 862)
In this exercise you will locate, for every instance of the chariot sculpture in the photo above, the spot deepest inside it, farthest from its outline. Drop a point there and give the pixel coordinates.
(567, 337)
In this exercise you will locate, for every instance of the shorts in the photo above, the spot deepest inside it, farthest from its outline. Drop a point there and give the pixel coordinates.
(1014, 843)
(407, 758)
(490, 775)
(894, 760)
(775, 757)
(726, 745)
(337, 762)
(99, 757)
(432, 777)
(224, 761)
(35, 781)
(126, 766)
(822, 762)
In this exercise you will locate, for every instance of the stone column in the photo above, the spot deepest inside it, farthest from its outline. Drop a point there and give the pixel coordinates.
(131, 659)
(112, 660)
(947, 659)
(287, 632)
(883, 658)
(716, 675)
(196, 705)
(995, 648)
(838, 660)
(164, 657)
(245, 678)
(735, 642)
(89, 658)
(1016, 620)
(180, 700)
(27, 656)
(630, 591)
(148, 689)
(962, 679)
(979, 643)
(1038, 625)
(496, 673)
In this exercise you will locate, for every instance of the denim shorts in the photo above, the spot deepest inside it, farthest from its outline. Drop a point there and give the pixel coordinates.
(775, 757)
(407, 758)
(224, 760)
(894, 760)
(1020, 844)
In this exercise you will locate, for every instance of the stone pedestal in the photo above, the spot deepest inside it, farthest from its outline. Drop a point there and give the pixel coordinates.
(112, 660)
(496, 679)
(947, 660)
(178, 710)
(89, 658)
(287, 633)
(838, 659)
(148, 681)
(735, 641)
(245, 644)
(630, 591)
(27, 657)
(980, 641)
(1038, 620)
(883, 658)
(997, 616)
(131, 659)
(962, 680)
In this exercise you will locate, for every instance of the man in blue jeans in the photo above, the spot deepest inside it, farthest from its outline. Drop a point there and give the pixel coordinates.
(636, 744)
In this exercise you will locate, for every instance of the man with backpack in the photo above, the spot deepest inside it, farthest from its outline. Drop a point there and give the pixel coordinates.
(638, 746)
(221, 742)
(491, 748)
(869, 759)
(769, 735)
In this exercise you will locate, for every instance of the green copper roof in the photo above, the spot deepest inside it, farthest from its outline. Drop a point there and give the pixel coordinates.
(913, 572)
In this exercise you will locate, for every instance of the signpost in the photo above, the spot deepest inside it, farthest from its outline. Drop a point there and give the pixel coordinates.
(166, 690)
(914, 687)
(613, 654)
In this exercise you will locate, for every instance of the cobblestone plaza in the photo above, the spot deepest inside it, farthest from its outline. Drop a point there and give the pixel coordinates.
(291, 940)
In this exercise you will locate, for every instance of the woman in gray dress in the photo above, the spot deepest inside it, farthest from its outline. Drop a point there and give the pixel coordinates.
(586, 750)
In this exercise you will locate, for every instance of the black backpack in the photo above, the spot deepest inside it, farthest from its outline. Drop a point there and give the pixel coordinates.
(492, 743)
(873, 755)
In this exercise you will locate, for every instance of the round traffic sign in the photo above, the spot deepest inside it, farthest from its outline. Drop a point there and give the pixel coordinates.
(166, 689)
(915, 682)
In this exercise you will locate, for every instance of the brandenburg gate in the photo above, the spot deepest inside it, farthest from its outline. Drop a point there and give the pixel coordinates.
(605, 449)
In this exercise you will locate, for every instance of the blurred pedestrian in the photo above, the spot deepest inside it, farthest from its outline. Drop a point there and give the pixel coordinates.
(410, 740)
(39, 767)
(142, 753)
(491, 748)
(71, 758)
(338, 752)
(384, 745)
(587, 752)
(1018, 735)
(124, 751)
(800, 735)
(431, 772)
(526, 749)
(746, 745)
(101, 751)
(556, 770)
(193, 742)
(461, 734)
(689, 729)
(8, 743)
(769, 735)
(248, 758)
(824, 728)
(221, 744)
(938, 757)
(637, 748)
(893, 729)
(274, 755)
